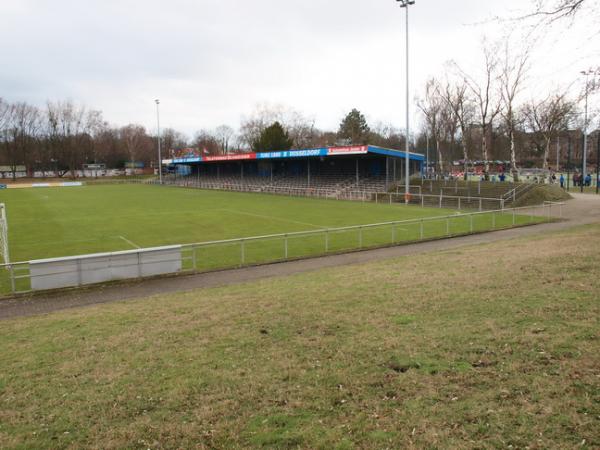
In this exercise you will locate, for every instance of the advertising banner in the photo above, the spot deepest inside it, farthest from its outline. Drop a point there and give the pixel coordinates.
(240, 157)
(351, 150)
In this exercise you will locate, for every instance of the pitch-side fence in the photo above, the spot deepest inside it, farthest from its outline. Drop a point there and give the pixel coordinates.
(27, 276)
(4, 235)
(440, 200)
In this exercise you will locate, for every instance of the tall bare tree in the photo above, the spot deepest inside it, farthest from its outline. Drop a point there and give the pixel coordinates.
(456, 96)
(224, 135)
(553, 10)
(546, 118)
(300, 128)
(513, 72)
(24, 133)
(134, 139)
(432, 106)
(485, 92)
(69, 128)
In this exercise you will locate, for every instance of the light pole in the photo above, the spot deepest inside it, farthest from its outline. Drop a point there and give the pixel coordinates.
(405, 4)
(160, 180)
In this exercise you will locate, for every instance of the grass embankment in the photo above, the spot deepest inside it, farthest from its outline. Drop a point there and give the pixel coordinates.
(538, 194)
(492, 346)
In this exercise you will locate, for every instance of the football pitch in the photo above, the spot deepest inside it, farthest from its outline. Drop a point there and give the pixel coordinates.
(56, 222)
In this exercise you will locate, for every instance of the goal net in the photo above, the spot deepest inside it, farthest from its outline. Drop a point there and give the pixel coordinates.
(3, 235)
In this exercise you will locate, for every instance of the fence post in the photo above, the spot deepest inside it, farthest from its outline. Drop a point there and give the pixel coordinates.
(421, 230)
(194, 265)
(360, 237)
(422, 201)
(502, 203)
(471, 222)
(458, 202)
(12, 279)
(243, 251)
(285, 243)
(326, 241)
(493, 220)
(79, 270)
(479, 187)
(480, 204)
(393, 233)
(447, 226)
(441, 194)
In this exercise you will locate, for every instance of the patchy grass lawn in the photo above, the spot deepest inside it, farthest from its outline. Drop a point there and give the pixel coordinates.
(484, 347)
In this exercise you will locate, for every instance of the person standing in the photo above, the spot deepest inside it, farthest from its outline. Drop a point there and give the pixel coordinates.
(562, 181)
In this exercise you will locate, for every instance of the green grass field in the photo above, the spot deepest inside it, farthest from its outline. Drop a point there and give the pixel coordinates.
(491, 346)
(56, 222)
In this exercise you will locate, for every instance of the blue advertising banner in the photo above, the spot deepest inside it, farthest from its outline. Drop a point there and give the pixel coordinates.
(187, 160)
(293, 154)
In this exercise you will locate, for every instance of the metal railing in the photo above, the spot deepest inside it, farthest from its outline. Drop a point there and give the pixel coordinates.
(443, 201)
(440, 200)
(255, 250)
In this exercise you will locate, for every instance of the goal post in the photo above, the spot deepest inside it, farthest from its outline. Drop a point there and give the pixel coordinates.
(4, 235)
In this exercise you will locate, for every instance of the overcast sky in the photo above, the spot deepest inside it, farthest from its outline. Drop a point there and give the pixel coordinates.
(212, 61)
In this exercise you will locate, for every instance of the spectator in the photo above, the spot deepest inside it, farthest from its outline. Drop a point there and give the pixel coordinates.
(588, 180)
(562, 181)
(502, 177)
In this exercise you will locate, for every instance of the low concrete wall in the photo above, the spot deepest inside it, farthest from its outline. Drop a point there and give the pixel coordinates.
(97, 268)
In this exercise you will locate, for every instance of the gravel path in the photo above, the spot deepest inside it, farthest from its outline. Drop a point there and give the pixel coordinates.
(583, 209)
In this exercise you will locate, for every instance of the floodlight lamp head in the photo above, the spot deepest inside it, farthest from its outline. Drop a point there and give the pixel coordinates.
(406, 3)
(157, 101)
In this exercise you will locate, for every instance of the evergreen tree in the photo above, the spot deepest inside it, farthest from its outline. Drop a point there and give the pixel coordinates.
(273, 138)
(354, 127)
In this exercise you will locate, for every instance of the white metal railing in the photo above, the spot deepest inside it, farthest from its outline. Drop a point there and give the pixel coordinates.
(440, 200)
(4, 234)
(223, 254)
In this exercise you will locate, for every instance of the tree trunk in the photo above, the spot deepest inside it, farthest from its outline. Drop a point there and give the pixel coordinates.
(484, 151)
(440, 158)
(546, 153)
(465, 158)
(513, 156)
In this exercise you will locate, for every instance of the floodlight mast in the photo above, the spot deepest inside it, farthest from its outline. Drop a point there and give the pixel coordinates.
(586, 73)
(160, 180)
(405, 4)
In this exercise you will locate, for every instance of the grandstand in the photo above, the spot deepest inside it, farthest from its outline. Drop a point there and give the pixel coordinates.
(349, 173)
(332, 171)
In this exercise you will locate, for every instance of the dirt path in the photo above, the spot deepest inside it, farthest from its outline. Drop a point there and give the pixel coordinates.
(583, 209)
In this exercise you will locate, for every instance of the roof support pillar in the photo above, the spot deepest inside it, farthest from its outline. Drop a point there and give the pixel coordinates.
(387, 173)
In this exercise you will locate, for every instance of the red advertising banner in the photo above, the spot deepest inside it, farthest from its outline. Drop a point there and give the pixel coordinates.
(240, 157)
(352, 150)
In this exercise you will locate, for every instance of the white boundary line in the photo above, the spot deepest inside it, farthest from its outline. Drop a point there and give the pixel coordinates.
(133, 244)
